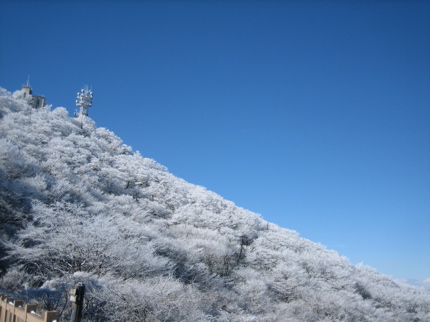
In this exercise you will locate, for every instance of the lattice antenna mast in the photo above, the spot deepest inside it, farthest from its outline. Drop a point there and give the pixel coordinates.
(84, 101)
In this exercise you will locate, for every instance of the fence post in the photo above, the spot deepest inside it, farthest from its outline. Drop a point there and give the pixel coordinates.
(9, 309)
(18, 311)
(51, 316)
(28, 309)
(3, 308)
(77, 298)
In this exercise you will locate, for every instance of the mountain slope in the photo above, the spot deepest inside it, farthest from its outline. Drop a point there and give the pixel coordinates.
(78, 205)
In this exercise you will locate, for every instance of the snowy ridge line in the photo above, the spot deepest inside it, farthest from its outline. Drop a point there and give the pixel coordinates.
(78, 205)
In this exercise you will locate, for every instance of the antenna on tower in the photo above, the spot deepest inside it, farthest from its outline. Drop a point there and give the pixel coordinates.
(28, 81)
(84, 101)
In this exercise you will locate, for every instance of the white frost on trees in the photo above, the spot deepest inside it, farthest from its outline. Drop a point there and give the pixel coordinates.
(76, 204)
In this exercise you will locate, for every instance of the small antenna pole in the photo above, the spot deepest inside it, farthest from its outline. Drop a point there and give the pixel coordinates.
(76, 296)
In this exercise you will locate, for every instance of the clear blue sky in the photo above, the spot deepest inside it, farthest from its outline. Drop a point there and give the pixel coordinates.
(315, 114)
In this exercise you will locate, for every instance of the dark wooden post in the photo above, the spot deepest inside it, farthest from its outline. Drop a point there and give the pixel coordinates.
(77, 298)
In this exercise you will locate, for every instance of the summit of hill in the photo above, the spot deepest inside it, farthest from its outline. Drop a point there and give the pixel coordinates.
(78, 205)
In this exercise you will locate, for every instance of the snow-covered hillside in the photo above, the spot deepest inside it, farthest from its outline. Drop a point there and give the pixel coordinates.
(76, 204)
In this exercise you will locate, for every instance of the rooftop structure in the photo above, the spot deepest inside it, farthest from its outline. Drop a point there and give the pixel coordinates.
(35, 101)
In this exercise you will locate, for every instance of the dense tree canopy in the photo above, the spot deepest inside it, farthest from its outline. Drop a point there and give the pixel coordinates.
(76, 204)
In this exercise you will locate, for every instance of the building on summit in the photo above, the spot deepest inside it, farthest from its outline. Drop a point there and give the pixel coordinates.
(34, 100)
